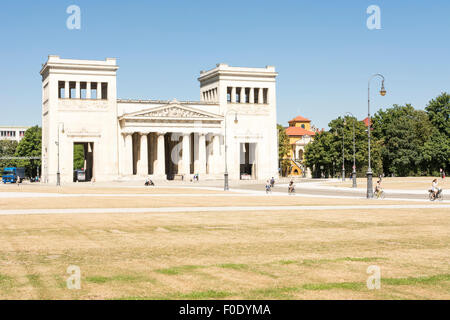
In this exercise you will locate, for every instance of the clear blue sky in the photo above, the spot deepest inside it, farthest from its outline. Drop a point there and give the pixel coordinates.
(323, 51)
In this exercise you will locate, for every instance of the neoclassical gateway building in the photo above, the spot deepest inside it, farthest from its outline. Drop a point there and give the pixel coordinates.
(125, 138)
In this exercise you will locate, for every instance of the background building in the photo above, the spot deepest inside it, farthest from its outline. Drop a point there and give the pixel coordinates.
(300, 133)
(126, 138)
(12, 133)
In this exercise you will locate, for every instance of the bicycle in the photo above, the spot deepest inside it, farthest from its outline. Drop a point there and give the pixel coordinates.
(291, 190)
(435, 196)
(380, 194)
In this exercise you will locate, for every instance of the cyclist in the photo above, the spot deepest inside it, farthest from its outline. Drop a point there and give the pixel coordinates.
(268, 186)
(291, 187)
(434, 188)
(378, 188)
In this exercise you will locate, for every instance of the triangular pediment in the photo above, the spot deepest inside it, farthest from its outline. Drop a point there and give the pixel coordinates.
(173, 111)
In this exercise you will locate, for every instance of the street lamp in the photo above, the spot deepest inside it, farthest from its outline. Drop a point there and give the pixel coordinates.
(225, 175)
(58, 173)
(369, 125)
(354, 151)
(343, 157)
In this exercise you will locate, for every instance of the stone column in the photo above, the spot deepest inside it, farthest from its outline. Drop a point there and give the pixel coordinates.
(252, 95)
(142, 167)
(233, 95)
(216, 155)
(260, 95)
(242, 98)
(186, 154)
(99, 90)
(128, 154)
(201, 153)
(66, 90)
(88, 90)
(160, 168)
(77, 90)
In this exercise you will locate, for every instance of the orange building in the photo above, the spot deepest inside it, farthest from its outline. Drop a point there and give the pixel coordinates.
(300, 133)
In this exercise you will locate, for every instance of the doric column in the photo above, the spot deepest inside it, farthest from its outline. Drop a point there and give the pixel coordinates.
(142, 167)
(99, 90)
(201, 153)
(233, 95)
(260, 95)
(186, 154)
(242, 98)
(77, 90)
(216, 154)
(88, 90)
(160, 168)
(66, 90)
(252, 95)
(128, 154)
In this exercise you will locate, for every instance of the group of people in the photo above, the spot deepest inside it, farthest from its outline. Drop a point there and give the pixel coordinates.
(271, 183)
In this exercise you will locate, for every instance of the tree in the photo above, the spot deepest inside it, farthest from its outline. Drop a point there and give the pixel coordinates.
(30, 146)
(438, 112)
(436, 153)
(283, 147)
(324, 155)
(78, 156)
(7, 149)
(402, 131)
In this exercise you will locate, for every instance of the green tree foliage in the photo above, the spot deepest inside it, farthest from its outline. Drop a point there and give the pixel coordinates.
(30, 146)
(438, 111)
(7, 149)
(402, 131)
(283, 148)
(324, 155)
(78, 156)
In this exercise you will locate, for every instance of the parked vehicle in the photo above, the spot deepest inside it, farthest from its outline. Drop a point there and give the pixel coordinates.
(13, 175)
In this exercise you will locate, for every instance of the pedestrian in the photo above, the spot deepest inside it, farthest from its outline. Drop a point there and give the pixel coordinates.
(441, 173)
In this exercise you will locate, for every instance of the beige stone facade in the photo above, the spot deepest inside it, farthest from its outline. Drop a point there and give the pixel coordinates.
(127, 139)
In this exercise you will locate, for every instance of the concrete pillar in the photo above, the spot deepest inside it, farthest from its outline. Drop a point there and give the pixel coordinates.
(142, 167)
(99, 90)
(128, 154)
(77, 90)
(216, 154)
(252, 95)
(201, 153)
(160, 168)
(233, 95)
(88, 90)
(260, 95)
(186, 159)
(66, 90)
(242, 100)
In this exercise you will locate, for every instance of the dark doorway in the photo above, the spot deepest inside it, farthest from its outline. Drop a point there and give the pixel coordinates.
(247, 160)
(83, 161)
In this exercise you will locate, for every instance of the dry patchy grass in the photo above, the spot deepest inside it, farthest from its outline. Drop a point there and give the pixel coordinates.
(227, 255)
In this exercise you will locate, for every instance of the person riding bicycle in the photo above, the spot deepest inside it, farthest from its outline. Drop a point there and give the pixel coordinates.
(378, 188)
(435, 188)
(268, 186)
(291, 187)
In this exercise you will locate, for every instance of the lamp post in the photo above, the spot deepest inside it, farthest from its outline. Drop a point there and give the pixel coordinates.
(225, 175)
(343, 155)
(58, 173)
(354, 152)
(369, 125)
